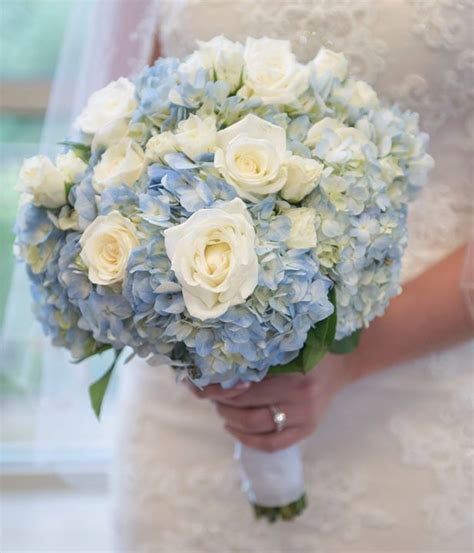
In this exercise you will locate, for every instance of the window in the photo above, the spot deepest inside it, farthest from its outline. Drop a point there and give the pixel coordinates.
(30, 41)
(52, 452)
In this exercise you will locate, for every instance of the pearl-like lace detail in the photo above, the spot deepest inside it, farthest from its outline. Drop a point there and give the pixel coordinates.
(417, 53)
(445, 446)
(445, 24)
(401, 479)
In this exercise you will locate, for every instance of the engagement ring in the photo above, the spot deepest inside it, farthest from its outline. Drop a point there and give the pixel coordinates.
(279, 418)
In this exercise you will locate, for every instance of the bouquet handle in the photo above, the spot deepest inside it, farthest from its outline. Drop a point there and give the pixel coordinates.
(273, 482)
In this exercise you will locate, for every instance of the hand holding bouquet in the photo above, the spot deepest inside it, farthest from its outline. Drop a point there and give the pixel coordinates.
(235, 213)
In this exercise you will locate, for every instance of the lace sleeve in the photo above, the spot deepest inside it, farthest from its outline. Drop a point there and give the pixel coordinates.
(132, 33)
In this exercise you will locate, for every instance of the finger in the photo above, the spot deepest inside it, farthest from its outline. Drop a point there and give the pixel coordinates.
(270, 391)
(272, 441)
(259, 420)
(216, 392)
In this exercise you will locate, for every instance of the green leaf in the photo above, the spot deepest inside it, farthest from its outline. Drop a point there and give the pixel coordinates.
(319, 338)
(67, 188)
(99, 350)
(347, 344)
(99, 387)
(295, 366)
(81, 150)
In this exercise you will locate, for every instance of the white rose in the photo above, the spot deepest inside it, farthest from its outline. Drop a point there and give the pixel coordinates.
(303, 230)
(329, 62)
(123, 163)
(251, 155)
(108, 105)
(71, 166)
(196, 136)
(303, 176)
(225, 57)
(213, 257)
(271, 71)
(220, 55)
(139, 132)
(106, 247)
(358, 94)
(160, 145)
(110, 134)
(40, 178)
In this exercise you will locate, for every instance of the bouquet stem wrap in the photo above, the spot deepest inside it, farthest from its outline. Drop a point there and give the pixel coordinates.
(273, 482)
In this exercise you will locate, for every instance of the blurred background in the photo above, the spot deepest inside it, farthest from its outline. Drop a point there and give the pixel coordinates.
(53, 454)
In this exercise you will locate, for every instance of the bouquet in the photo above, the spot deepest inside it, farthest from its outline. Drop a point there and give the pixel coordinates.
(236, 213)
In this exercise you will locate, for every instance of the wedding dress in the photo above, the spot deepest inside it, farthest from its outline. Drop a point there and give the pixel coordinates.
(389, 468)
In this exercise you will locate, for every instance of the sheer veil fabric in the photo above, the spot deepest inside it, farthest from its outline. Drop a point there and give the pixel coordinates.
(103, 40)
(389, 468)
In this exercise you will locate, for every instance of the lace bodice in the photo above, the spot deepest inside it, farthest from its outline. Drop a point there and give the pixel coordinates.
(390, 468)
(418, 53)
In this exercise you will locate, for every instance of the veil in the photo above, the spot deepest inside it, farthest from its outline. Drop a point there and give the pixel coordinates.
(104, 39)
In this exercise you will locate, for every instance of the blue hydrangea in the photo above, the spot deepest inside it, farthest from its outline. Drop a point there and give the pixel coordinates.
(36, 235)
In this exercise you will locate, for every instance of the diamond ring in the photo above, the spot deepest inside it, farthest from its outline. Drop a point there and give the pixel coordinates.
(279, 418)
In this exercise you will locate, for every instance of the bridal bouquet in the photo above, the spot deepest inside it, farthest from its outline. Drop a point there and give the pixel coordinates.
(236, 213)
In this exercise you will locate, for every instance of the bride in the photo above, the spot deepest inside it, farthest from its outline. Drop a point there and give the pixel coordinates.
(387, 429)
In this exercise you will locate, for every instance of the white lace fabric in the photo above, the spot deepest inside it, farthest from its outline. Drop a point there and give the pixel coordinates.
(390, 467)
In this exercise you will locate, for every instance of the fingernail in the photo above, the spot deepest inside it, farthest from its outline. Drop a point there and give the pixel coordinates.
(242, 386)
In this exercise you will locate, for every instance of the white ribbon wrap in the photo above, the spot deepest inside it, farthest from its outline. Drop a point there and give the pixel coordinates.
(271, 479)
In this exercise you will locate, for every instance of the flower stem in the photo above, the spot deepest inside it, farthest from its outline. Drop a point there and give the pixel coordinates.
(287, 512)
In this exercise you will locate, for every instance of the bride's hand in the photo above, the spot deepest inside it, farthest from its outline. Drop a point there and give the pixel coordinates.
(407, 330)
(303, 398)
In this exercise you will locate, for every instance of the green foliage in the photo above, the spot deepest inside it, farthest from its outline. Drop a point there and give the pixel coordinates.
(287, 512)
(67, 188)
(98, 389)
(347, 344)
(318, 342)
(80, 150)
(95, 349)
